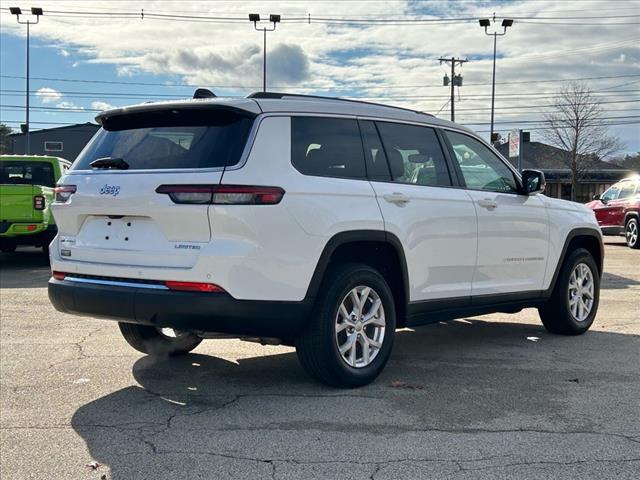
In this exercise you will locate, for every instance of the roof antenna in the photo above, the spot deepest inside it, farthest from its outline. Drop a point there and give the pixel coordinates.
(203, 93)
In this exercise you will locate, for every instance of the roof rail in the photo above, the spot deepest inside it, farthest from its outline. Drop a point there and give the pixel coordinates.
(276, 95)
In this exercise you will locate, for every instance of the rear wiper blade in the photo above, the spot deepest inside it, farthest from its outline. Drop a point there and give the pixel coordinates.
(108, 162)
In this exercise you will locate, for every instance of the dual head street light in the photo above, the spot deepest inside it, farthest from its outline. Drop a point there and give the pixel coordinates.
(36, 12)
(275, 19)
(486, 23)
(17, 11)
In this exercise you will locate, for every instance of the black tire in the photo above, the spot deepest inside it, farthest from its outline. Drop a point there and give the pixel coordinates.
(317, 347)
(630, 228)
(556, 315)
(152, 341)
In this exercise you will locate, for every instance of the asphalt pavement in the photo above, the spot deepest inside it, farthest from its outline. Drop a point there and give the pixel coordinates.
(485, 397)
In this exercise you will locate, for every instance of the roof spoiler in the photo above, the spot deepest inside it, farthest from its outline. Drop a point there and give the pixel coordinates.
(203, 93)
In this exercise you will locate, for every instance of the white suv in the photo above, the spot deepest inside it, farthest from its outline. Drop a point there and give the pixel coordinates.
(309, 221)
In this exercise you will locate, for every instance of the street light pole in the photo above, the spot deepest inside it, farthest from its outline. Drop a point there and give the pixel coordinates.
(36, 12)
(485, 23)
(255, 18)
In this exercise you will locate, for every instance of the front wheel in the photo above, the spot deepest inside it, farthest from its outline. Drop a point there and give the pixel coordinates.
(573, 304)
(631, 233)
(158, 341)
(349, 339)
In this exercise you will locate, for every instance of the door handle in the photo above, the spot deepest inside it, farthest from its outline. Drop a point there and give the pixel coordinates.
(396, 197)
(488, 204)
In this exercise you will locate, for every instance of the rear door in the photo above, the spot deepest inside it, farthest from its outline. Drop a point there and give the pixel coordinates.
(116, 216)
(435, 222)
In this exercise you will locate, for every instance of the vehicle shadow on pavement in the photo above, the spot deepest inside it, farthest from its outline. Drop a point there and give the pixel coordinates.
(31, 264)
(611, 281)
(200, 416)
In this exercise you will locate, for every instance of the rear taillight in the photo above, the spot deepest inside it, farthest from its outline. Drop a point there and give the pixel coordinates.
(223, 194)
(59, 275)
(193, 286)
(64, 192)
(38, 202)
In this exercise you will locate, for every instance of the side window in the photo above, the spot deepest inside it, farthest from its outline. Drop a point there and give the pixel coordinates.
(628, 190)
(611, 194)
(377, 168)
(414, 154)
(481, 168)
(327, 147)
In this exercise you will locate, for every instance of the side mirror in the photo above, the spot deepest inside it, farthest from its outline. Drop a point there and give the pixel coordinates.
(533, 182)
(596, 197)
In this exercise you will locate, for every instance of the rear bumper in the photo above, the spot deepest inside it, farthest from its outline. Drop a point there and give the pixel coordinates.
(189, 311)
(17, 234)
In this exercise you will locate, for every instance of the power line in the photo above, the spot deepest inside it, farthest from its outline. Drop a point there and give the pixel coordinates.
(350, 87)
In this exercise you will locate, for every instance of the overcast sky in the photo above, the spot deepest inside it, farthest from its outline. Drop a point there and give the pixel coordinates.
(549, 43)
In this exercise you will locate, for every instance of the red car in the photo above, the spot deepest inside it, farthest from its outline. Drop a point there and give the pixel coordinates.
(618, 210)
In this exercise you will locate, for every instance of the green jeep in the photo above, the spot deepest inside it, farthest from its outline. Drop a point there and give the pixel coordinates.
(26, 192)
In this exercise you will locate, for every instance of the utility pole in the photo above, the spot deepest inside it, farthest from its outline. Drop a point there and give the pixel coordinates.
(456, 80)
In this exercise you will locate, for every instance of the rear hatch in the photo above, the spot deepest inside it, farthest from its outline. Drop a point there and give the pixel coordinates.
(116, 216)
(20, 181)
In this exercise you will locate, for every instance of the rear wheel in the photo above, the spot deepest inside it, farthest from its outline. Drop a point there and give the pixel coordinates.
(158, 341)
(349, 339)
(631, 233)
(574, 301)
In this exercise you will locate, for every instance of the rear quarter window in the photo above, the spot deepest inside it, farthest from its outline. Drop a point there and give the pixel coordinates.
(172, 139)
(327, 147)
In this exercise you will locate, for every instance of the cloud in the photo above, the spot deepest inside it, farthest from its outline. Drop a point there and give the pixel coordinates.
(63, 52)
(288, 64)
(100, 105)
(67, 105)
(48, 95)
(394, 64)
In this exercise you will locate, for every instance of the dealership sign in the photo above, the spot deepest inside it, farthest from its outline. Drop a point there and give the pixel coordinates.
(514, 143)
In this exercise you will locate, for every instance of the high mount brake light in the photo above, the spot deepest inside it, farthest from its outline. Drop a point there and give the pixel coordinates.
(63, 193)
(193, 286)
(222, 194)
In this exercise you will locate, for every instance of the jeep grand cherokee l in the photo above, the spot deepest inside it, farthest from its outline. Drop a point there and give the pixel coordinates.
(319, 223)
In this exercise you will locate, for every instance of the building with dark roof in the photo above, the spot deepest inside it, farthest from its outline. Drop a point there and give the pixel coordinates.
(553, 161)
(66, 142)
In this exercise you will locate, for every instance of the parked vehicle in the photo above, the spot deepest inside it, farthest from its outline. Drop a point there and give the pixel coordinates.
(320, 223)
(618, 210)
(26, 193)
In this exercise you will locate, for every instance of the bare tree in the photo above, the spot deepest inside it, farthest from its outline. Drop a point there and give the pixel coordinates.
(576, 125)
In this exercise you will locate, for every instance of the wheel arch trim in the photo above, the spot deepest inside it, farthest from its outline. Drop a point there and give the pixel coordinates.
(572, 235)
(354, 236)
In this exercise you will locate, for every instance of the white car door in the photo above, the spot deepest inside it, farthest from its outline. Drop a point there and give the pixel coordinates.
(513, 229)
(435, 222)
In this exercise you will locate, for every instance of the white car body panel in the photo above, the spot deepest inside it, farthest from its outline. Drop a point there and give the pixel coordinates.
(438, 230)
(453, 246)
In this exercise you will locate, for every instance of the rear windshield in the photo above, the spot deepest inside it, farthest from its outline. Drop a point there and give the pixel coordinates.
(170, 139)
(26, 173)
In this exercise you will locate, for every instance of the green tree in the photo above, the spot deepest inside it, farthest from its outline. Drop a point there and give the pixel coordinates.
(5, 130)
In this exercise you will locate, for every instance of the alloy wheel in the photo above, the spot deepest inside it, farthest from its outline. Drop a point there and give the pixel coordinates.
(581, 292)
(360, 326)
